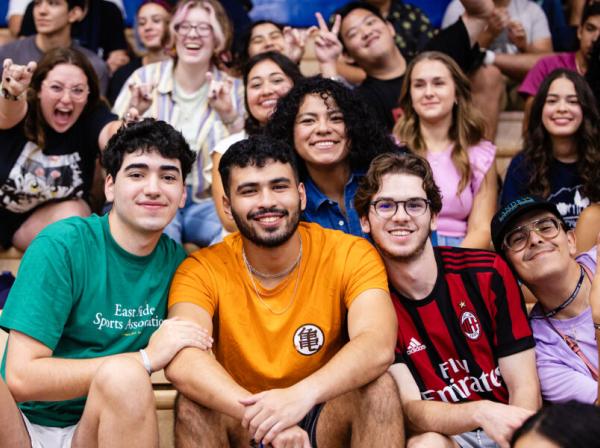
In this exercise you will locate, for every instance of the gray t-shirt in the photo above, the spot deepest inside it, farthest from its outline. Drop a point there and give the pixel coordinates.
(24, 50)
(529, 13)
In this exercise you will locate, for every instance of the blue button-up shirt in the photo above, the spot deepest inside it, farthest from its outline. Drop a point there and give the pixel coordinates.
(327, 213)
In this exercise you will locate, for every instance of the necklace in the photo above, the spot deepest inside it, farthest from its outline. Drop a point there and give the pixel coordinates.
(283, 273)
(570, 299)
(251, 270)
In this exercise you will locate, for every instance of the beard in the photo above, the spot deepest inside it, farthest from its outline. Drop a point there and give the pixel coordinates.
(268, 238)
(402, 257)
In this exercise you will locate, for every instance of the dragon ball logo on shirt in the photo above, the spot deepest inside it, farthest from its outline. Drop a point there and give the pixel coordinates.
(470, 325)
(308, 339)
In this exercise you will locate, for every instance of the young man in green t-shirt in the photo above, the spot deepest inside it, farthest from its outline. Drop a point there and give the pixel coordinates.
(86, 313)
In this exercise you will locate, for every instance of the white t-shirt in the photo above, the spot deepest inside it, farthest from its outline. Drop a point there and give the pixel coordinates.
(529, 13)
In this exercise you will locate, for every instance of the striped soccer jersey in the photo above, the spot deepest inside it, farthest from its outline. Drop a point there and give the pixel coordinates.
(452, 339)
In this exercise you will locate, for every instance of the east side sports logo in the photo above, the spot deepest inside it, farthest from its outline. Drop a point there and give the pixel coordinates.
(308, 339)
(470, 325)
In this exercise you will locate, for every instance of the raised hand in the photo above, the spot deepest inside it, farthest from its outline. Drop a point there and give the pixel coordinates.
(517, 35)
(219, 97)
(295, 41)
(16, 78)
(269, 413)
(173, 335)
(141, 97)
(328, 47)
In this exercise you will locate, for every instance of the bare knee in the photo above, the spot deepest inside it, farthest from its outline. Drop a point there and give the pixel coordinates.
(125, 387)
(194, 421)
(488, 80)
(429, 440)
(47, 215)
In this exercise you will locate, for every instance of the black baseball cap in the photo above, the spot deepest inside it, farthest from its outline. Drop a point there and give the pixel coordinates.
(507, 215)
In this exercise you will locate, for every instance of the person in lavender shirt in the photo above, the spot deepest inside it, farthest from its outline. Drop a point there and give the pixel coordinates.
(531, 235)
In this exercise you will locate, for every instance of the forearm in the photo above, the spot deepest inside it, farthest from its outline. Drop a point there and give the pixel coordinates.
(199, 376)
(54, 379)
(12, 112)
(517, 65)
(444, 418)
(478, 238)
(344, 372)
(526, 396)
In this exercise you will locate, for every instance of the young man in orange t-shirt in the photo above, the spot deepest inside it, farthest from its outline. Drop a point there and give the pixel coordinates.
(303, 324)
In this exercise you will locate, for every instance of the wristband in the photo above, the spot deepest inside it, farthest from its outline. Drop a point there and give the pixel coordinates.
(489, 58)
(146, 361)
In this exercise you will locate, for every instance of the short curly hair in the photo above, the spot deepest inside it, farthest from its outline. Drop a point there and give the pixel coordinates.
(367, 139)
(256, 150)
(147, 135)
(406, 163)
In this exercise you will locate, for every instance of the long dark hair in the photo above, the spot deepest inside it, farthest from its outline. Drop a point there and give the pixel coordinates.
(538, 150)
(366, 137)
(291, 70)
(35, 123)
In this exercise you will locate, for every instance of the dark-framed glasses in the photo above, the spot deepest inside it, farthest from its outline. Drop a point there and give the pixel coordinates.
(202, 29)
(386, 207)
(517, 239)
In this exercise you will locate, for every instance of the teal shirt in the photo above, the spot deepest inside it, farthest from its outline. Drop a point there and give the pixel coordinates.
(83, 296)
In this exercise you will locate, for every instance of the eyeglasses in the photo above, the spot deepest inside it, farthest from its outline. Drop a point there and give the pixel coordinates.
(517, 239)
(201, 29)
(386, 208)
(77, 93)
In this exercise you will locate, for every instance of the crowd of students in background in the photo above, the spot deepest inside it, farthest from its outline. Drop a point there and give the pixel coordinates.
(398, 126)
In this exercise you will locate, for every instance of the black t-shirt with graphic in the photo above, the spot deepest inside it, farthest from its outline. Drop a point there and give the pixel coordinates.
(64, 169)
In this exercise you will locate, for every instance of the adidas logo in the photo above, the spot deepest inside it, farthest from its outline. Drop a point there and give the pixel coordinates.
(414, 346)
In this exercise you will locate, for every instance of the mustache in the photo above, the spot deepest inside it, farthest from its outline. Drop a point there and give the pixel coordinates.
(539, 248)
(264, 211)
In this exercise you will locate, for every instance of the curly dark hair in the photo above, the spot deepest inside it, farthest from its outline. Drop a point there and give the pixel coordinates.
(256, 150)
(538, 149)
(147, 135)
(287, 66)
(366, 138)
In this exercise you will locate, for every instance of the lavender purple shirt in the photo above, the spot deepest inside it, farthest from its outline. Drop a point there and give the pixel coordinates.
(563, 375)
(543, 68)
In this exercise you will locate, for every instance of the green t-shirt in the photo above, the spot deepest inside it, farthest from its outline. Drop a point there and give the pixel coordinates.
(82, 295)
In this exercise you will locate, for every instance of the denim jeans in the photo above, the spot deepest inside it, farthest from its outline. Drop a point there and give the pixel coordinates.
(196, 222)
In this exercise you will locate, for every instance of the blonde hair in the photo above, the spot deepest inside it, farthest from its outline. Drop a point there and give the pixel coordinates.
(217, 17)
(467, 127)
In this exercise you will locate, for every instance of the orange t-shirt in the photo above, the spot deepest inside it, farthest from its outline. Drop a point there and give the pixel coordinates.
(262, 350)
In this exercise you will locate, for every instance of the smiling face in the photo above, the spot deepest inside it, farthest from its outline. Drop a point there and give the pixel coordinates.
(146, 192)
(265, 37)
(366, 37)
(401, 237)
(265, 202)
(561, 114)
(266, 84)
(196, 45)
(432, 91)
(541, 257)
(320, 132)
(63, 96)
(152, 25)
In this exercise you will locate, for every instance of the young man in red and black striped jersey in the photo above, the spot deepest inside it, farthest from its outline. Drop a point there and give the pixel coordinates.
(465, 363)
